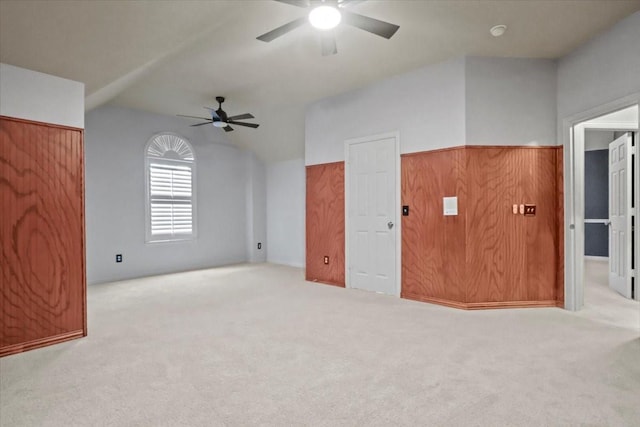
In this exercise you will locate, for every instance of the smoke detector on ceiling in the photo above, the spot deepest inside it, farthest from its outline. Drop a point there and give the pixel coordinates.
(498, 30)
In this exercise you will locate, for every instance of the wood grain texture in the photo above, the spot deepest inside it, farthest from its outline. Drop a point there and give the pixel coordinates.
(560, 222)
(433, 245)
(511, 257)
(541, 246)
(495, 240)
(325, 224)
(486, 257)
(41, 235)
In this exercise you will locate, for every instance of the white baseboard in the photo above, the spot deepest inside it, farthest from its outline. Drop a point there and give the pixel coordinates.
(596, 258)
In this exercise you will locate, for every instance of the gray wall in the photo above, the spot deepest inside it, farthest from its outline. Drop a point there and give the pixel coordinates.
(41, 97)
(115, 139)
(256, 193)
(604, 69)
(286, 212)
(470, 100)
(596, 202)
(425, 105)
(510, 101)
(598, 139)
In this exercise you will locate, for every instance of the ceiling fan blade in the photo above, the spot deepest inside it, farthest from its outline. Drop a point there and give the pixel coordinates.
(193, 117)
(241, 117)
(349, 3)
(374, 26)
(213, 112)
(227, 128)
(328, 43)
(249, 125)
(282, 30)
(299, 3)
(201, 124)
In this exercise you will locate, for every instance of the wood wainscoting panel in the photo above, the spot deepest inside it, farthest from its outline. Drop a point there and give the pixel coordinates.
(495, 236)
(325, 223)
(539, 188)
(433, 245)
(560, 222)
(41, 235)
(511, 257)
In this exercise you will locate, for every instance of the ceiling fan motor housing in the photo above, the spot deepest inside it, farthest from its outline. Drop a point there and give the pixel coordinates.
(222, 116)
(220, 119)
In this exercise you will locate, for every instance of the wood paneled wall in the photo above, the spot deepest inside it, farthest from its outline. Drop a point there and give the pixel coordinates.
(486, 256)
(433, 245)
(325, 223)
(511, 257)
(43, 296)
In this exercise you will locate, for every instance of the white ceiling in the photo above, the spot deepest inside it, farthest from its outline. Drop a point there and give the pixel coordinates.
(173, 57)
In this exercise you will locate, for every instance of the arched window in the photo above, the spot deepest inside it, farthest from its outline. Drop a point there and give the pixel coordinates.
(170, 171)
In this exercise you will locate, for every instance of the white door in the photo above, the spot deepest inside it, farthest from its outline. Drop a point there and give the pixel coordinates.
(620, 233)
(372, 218)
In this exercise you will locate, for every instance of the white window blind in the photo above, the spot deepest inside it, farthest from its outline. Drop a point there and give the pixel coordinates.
(170, 199)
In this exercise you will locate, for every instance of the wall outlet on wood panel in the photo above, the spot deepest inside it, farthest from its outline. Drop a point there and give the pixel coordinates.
(529, 210)
(326, 259)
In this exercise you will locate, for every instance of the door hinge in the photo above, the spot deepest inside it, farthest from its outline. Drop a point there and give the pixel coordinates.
(633, 149)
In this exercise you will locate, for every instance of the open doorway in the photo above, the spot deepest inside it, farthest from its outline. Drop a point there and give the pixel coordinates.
(601, 213)
(609, 294)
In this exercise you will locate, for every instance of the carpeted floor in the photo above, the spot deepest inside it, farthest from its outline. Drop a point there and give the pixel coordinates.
(257, 345)
(603, 304)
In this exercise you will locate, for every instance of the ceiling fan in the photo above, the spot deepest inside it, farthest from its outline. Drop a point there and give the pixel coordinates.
(220, 119)
(326, 15)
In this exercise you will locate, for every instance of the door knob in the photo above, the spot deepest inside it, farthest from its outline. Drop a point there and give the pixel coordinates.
(390, 225)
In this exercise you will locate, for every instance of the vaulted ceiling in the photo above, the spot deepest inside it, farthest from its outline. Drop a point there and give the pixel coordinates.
(174, 57)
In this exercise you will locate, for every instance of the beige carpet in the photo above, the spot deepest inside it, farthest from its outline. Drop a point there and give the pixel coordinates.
(256, 345)
(603, 304)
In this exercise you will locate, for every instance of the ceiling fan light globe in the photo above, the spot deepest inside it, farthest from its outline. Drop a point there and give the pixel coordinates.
(219, 124)
(325, 17)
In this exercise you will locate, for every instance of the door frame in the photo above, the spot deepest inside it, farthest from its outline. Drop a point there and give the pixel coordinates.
(573, 146)
(395, 135)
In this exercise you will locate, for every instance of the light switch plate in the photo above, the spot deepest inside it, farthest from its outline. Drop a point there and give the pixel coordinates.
(450, 206)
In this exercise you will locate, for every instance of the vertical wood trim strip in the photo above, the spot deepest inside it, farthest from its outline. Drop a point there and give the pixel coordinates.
(560, 224)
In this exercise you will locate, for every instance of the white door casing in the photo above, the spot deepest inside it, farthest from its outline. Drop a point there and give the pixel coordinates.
(372, 206)
(620, 235)
(571, 128)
